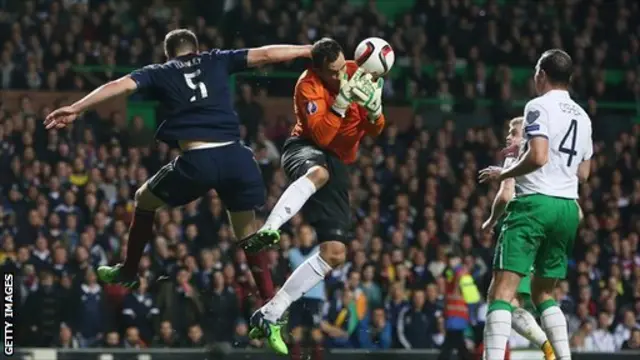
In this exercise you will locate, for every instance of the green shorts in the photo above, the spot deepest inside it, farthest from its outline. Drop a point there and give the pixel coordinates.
(525, 286)
(538, 231)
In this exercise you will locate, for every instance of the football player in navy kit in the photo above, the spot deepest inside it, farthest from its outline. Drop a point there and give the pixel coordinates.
(201, 121)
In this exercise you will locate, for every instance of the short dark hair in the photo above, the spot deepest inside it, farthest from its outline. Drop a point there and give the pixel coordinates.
(324, 51)
(557, 65)
(180, 40)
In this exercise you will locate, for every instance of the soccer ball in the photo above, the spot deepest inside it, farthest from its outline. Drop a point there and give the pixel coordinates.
(375, 56)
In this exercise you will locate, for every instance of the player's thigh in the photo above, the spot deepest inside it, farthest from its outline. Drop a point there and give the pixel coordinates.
(328, 209)
(299, 155)
(240, 184)
(174, 185)
(519, 239)
(145, 199)
(563, 218)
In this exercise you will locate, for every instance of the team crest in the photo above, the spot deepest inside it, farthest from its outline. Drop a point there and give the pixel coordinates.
(532, 116)
(312, 107)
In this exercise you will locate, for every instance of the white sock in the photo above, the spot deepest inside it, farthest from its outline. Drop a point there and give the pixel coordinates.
(497, 330)
(555, 325)
(304, 278)
(290, 202)
(526, 325)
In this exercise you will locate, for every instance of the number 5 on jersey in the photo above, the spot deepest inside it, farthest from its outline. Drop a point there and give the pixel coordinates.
(573, 132)
(194, 83)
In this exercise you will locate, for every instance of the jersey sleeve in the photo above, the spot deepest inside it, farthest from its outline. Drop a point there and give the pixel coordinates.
(316, 114)
(235, 60)
(536, 121)
(145, 77)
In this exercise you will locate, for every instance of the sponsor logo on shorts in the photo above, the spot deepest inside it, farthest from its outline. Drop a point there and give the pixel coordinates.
(312, 107)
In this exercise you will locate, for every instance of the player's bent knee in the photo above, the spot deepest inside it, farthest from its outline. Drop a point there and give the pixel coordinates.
(542, 289)
(333, 252)
(146, 200)
(318, 175)
(504, 286)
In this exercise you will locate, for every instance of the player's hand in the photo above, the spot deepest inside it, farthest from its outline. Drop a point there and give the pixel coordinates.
(345, 95)
(61, 117)
(491, 173)
(368, 94)
(489, 225)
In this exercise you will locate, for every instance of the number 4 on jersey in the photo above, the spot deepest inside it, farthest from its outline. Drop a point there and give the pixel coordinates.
(195, 84)
(573, 132)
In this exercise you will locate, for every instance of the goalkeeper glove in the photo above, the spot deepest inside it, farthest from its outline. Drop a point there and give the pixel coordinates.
(368, 94)
(345, 95)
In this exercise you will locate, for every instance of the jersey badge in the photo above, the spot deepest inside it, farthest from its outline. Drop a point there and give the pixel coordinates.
(532, 116)
(312, 107)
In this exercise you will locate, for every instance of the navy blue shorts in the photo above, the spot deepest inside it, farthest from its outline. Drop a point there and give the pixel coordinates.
(231, 170)
(306, 313)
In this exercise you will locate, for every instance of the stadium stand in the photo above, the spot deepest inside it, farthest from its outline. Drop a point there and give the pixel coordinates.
(463, 69)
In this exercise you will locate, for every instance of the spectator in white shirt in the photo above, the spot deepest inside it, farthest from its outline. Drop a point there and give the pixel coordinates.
(623, 331)
(601, 340)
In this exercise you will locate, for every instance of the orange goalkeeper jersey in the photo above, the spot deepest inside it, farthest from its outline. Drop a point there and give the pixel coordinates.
(315, 121)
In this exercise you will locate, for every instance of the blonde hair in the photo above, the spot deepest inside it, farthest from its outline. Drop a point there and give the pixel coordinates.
(516, 121)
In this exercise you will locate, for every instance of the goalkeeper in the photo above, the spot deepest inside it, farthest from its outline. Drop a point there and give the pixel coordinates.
(335, 104)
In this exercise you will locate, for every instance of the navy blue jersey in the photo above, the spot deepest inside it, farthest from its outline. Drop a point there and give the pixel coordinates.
(194, 91)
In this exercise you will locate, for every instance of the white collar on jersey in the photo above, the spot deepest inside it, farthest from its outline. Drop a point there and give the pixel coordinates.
(563, 93)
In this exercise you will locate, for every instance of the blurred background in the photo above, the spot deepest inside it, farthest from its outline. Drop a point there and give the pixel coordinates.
(463, 70)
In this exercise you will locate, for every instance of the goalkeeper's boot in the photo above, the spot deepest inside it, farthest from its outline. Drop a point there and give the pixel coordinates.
(262, 328)
(261, 240)
(116, 275)
(547, 349)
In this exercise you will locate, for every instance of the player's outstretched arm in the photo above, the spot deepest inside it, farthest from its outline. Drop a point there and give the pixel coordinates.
(504, 195)
(276, 53)
(60, 118)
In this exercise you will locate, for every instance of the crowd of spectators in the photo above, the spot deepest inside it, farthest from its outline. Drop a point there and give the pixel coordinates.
(66, 196)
